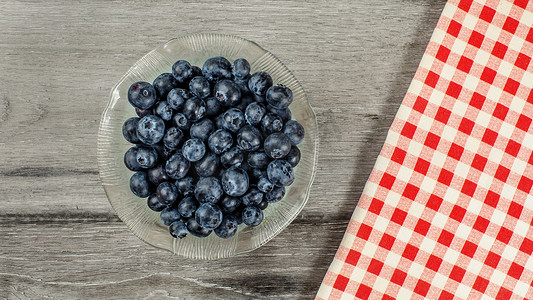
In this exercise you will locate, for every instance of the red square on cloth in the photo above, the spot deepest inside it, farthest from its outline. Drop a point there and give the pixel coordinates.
(422, 166)
(457, 273)
(480, 284)
(363, 291)
(487, 14)
(398, 155)
(341, 282)
(410, 252)
(454, 28)
(375, 266)
(469, 249)
(479, 162)
(465, 5)
(376, 206)
(453, 90)
(476, 39)
(422, 287)
(353, 257)
(443, 54)
(420, 105)
(523, 123)
(499, 50)
(386, 241)
(398, 277)
(510, 25)
(465, 64)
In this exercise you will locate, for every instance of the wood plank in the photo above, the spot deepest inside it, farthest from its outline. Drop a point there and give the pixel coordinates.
(90, 260)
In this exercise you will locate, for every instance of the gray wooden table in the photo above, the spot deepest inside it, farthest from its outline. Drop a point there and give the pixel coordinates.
(60, 238)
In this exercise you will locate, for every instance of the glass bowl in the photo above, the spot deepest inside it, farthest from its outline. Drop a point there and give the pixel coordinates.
(134, 212)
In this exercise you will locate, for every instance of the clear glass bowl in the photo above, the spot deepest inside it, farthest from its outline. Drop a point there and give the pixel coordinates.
(134, 212)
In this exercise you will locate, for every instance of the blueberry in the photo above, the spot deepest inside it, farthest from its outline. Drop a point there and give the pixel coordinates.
(259, 83)
(263, 205)
(207, 166)
(186, 186)
(157, 174)
(294, 156)
(279, 96)
(249, 138)
(238, 215)
(216, 68)
(167, 193)
(242, 84)
(212, 107)
(280, 172)
(243, 104)
(150, 129)
(193, 149)
(176, 98)
(271, 123)
(181, 122)
(227, 92)
(232, 157)
(258, 173)
(142, 95)
(130, 159)
(147, 157)
(196, 71)
(258, 159)
(227, 228)
(233, 120)
(177, 166)
(197, 230)
(208, 189)
(275, 195)
(277, 145)
(229, 204)
(240, 68)
(154, 204)
(202, 129)
(219, 121)
(264, 185)
(235, 181)
(163, 84)
(187, 206)
(295, 131)
(129, 130)
(182, 71)
(220, 141)
(140, 185)
(170, 215)
(259, 99)
(163, 152)
(254, 113)
(173, 138)
(143, 112)
(163, 110)
(199, 86)
(194, 109)
(178, 229)
(208, 215)
(284, 114)
(252, 197)
(252, 216)
(246, 167)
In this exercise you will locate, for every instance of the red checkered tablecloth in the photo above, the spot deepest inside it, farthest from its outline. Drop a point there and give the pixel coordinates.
(447, 211)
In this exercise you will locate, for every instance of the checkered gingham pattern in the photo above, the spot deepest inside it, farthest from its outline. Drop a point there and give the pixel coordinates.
(447, 211)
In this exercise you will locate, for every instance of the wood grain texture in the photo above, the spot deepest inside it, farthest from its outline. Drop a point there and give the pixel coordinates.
(60, 237)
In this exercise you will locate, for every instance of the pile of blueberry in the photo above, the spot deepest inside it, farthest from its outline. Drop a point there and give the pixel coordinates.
(213, 146)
